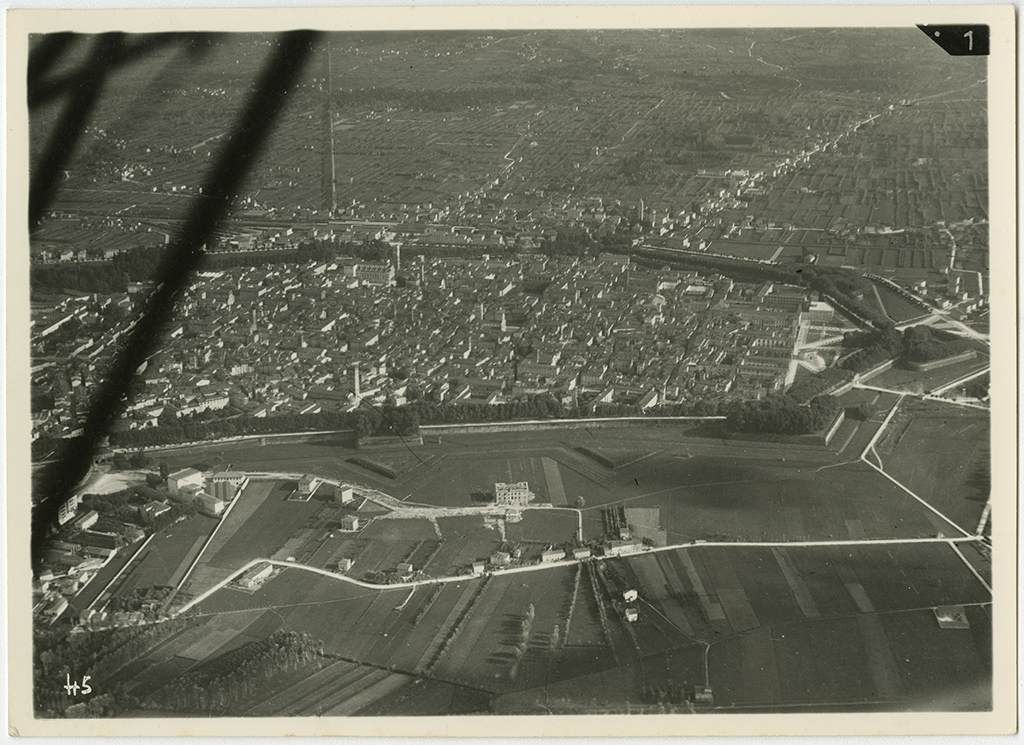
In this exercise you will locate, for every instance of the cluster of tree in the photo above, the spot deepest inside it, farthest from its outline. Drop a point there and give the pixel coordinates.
(140, 459)
(977, 388)
(915, 344)
(569, 242)
(184, 431)
(100, 654)
(782, 415)
(389, 421)
(140, 265)
(139, 598)
(924, 344)
(843, 287)
(122, 506)
(668, 693)
(238, 674)
(808, 388)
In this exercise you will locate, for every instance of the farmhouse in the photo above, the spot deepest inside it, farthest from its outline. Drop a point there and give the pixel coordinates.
(185, 477)
(307, 484)
(479, 567)
(344, 565)
(512, 495)
(500, 559)
(617, 548)
(405, 570)
(630, 596)
(551, 556)
(581, 553)
(256, 576)
(632, 615)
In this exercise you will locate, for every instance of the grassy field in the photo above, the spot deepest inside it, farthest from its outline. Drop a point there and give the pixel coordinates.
(466, 539)
(718, 499)
(797, 625)
(941, 453)
(897, 307)
(900, 379)
(167, 556)
(265, 521)
(545, 527)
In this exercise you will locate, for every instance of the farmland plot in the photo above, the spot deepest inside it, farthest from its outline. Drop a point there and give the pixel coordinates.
(941, 453)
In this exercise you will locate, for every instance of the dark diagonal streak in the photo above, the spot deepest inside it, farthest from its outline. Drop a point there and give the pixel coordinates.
(69, 130)
(181, 259)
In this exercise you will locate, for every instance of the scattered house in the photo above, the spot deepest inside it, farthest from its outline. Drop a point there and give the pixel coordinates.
(152, 510)
(632, 615)
(951, 617)
(630, 596)
(55, 608)
(500, 559)
(344, 565)
(581, 553)
(344, 495)
(617, 548)
(512, 495)
(349, 522)
(552, 555)
(185, 477)
(703, 695)
(256, 576)
(307, 484)
(87, 520)
(405, 570)
(479, 567)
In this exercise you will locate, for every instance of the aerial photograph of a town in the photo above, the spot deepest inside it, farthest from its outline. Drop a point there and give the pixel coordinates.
(523, 372)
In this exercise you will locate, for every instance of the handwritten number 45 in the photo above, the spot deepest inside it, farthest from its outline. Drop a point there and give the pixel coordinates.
(72, 687)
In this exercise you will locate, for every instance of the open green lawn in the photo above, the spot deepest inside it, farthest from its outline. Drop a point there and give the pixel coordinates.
(167, 556)
(941, 453)
(266, 528)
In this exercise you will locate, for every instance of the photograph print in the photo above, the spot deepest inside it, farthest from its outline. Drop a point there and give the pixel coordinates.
(380, 372)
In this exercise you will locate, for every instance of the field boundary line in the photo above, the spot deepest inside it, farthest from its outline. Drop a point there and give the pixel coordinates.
(967, 538)
(921, 500)
(881, 428)
(970, 566)
(206, 545)
(120, 571)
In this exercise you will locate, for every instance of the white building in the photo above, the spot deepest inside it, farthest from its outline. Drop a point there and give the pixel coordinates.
(512, 495)
(185, 477)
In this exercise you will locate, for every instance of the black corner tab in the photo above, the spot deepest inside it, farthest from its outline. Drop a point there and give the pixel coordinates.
(959, 40)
